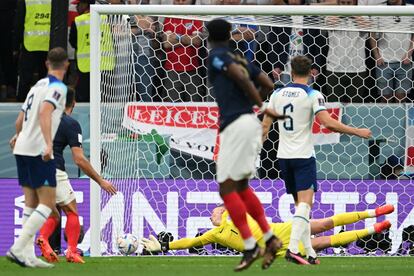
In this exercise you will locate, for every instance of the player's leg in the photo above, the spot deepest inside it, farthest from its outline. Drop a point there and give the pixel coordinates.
(304, 171)
(301, 228)
(255, 209)
(325, 224)
(43, 179)
(345, 238)
(72, 230)
(45, 232)
(237, 211)
(234, 164)
(20, 254)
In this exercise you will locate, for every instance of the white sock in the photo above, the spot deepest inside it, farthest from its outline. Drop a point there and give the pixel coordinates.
(299, 223)
(268, 235)
(371, 213)
(307, 242)
(29, 250)
(249, 243)
(30, 228)
(371, 230)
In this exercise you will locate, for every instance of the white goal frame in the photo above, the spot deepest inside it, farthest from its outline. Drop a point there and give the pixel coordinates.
(95, 95)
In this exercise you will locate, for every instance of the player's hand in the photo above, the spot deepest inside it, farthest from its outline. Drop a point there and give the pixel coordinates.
(151, 244)
(276, 73)
(273, 114)
(406, 60)
(380, 61)
(47, 154)
(315, 73)
(108, 187)
(12, 141)
(364, 133)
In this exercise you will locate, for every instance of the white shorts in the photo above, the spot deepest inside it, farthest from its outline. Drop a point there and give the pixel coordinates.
(64, 191)
(240, 144)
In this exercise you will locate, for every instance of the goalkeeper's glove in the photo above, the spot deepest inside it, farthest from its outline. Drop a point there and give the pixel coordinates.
(153, 245)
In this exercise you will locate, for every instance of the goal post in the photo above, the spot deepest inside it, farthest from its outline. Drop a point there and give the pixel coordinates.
(114, 103)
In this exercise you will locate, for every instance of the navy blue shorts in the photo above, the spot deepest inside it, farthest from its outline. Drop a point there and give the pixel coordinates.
(299, 174)
(34, 173)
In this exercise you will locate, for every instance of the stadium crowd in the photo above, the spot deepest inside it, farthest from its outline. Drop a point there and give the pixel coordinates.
(169, 54)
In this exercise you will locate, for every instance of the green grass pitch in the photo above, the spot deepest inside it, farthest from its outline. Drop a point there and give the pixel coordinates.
(215, 266)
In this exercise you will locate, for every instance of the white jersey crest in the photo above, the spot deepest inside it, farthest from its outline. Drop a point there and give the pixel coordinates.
(300, 103)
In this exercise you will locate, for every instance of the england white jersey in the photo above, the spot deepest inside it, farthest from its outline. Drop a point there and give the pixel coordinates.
(30, 141)
(300, 103)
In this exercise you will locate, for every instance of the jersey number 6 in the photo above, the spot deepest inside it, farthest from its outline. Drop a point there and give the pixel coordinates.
(288, 123)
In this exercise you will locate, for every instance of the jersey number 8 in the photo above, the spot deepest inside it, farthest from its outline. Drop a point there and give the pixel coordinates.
(28, 107)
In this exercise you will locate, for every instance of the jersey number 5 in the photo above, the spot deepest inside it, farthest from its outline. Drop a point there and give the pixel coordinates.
(288, 123)
(28, 106)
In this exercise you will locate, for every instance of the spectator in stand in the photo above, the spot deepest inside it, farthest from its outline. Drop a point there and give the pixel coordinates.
(346, 69)
(393, 54)
(181, 42)
(243, 35)
(290, 42)
(79, 40)
(31, 42)
(72, 74)
(7, 64)
(143, 30)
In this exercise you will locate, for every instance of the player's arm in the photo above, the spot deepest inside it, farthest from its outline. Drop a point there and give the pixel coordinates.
(266, 124)
(83, 163)
(153, 245)
(240, 76)
(327, 121)
(265, 83)
(45, 120)
(18, 125)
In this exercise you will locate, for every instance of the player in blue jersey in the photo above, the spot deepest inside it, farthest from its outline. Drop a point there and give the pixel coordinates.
(296, 154)
(235, 83)
(36, 125)
(69, 134)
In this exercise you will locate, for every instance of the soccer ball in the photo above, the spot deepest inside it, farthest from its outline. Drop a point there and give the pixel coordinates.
(127, 244)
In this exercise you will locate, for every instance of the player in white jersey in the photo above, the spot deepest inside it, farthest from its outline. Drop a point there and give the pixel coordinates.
(301, 104)
(32, 145)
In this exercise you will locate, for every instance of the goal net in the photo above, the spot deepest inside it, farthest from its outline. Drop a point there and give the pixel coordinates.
(154, 119)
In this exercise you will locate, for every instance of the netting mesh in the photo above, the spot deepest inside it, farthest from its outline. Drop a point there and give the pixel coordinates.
(159, 122)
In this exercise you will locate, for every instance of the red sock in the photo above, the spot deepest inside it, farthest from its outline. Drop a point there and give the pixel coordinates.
(49, 227)
(237, 212)
(72, 230)
(255, 208)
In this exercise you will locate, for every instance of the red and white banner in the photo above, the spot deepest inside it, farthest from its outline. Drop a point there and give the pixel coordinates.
(194, 126)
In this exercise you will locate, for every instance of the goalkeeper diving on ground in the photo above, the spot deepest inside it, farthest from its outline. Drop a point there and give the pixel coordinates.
(227, 235)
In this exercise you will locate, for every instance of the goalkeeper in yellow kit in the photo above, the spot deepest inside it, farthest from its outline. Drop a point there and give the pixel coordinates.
(226, 234)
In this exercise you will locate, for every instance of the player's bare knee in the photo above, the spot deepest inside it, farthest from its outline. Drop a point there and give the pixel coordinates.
(70, 208)
(55, 213)
(227, 187)
(242, 185)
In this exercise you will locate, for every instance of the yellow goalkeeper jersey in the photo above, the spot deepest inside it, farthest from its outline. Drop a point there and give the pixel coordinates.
(229, 236)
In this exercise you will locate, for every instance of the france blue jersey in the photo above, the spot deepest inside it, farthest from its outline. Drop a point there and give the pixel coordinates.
(231, 99)
(68, 133)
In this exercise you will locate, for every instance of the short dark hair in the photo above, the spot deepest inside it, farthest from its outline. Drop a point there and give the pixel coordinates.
(218, 30)
(70, 97)
(57, 57)
(301, 66)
